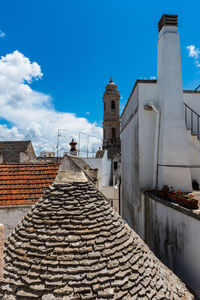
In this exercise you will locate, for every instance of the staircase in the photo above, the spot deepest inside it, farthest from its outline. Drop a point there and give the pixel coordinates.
(192, 120)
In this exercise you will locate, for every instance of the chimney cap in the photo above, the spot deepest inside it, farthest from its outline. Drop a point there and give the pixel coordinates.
(168, 20)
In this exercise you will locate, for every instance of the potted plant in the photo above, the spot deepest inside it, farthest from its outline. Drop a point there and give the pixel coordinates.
(164, 192)
(172, 195)
(188, 201)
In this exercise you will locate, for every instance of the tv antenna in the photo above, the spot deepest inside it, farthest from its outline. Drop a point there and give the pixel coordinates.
(58, 141)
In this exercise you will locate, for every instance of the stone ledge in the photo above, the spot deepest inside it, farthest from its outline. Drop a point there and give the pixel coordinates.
(195, 213)
(16, 206)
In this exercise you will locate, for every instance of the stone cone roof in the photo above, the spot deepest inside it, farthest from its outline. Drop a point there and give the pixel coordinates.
(72, 245)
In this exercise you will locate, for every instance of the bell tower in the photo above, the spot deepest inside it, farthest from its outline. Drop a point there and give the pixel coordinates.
(111, 118)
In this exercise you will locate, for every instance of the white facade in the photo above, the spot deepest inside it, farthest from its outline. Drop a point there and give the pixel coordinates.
(137, 149)
(174, 236)
(105, 178)
(157, 149)
(104, 166)
(173, 145)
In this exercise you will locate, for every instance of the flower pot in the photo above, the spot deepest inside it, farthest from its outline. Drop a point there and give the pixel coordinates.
(161, 194)
(172, 196)
(188, 203)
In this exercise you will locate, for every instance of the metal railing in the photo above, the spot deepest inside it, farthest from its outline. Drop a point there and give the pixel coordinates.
(192, 119)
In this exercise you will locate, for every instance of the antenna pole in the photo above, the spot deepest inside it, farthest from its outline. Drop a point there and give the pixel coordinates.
(57, 144)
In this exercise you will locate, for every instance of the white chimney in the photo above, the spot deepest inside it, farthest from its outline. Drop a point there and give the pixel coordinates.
(173, 161)
(1, 251)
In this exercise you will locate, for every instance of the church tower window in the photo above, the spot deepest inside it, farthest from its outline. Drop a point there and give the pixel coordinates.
(112, 104)
(113, 133)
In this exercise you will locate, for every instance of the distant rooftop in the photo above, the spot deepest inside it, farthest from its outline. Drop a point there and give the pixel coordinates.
(22, 184)
(10, 150)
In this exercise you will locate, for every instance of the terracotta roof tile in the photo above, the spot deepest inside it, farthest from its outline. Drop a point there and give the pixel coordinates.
(22, 184)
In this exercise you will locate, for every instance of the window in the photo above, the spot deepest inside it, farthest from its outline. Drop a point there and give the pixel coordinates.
(112, 104)
(104, 106)
(115, 165)
(113, 132)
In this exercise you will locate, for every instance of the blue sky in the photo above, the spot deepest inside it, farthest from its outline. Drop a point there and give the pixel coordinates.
(79, 44)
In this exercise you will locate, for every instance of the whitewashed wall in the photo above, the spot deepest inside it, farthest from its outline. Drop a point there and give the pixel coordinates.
(137, 150)
(174, 236)
(192, 99)
(104, 165)
(11, 215)
(194, 155)
(147, 124)
(130, 161)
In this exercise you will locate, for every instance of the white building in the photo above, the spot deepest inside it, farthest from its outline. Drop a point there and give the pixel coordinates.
(47, 154)
(160, 146)
(105, 176)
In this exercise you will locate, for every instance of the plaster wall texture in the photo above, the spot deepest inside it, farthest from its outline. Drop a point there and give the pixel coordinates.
(11, 215)
(173, 147)
(68, 164)
(110, 192)
(194, 154)
(192, 100)
(104, 165)
(175, 238)
(137, 144)
(147, 124)
(1, 250)
(28, 155)
(130, 162)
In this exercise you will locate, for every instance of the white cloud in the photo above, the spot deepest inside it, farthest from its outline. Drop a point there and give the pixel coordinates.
(2, 34)
(194, 52)
(31, 113)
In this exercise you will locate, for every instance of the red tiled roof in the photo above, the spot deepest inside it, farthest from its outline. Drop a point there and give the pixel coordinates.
(24, 183)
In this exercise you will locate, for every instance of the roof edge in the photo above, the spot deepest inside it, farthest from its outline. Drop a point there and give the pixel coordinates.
(134, 87)
(191, 92)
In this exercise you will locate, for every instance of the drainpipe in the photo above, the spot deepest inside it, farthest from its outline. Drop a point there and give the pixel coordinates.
(149, 107)
(1, 251)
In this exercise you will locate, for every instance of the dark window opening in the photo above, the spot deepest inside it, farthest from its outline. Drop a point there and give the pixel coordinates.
(112, 104)
(104, 106)
(113, 132)
(115, 165)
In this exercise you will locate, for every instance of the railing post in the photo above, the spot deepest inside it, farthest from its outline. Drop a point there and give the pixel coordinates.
(191, 121)
(185, 116)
